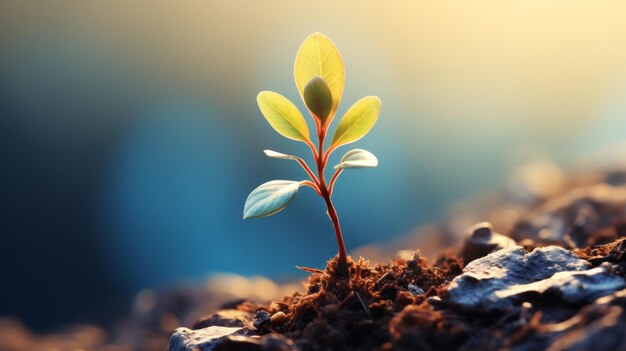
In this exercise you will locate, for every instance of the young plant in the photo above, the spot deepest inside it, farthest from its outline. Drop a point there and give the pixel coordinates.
(320, 75)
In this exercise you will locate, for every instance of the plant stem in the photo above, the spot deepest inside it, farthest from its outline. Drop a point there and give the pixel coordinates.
(331, 185)
(307, 169)
(342, 257)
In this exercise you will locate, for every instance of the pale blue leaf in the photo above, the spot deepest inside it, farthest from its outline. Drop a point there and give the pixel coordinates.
(270, 198)
(357, 158)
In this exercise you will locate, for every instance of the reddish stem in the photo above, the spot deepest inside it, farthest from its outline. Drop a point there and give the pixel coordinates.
(312, 185)
(342, 259)
(307, 170)
(312, 147)
(331, 185)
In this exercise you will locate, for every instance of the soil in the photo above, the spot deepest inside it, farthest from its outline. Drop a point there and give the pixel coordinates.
(383, 308)
(370, 310)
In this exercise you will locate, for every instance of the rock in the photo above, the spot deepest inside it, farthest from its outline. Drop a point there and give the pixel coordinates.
(483, 279)
(415, 290)
(599, 326)
(573, 216)
(571, 286)
(270, 342)
(217, 338)
(278, 318)
(205, 339)
(224, 318)
(262, 320)
(434, 301)
(482, 240)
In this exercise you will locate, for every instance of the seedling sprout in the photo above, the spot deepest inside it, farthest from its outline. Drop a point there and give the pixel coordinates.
(320, 76)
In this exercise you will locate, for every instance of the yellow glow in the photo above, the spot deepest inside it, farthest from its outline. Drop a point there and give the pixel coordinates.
(540, 67)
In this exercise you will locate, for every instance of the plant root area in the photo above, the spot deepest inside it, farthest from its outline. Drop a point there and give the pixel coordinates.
(555, 280)
(405, 305)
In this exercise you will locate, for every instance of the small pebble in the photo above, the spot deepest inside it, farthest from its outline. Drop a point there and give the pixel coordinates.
(261, 319)
(415, 290)
(481, 230)
(278, 318)
(434, 300)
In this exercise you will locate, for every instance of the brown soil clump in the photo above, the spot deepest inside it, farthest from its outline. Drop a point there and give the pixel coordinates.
(355, 314)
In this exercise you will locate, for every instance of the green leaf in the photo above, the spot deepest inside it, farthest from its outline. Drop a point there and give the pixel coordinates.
(274, 154)
(283, 116)
(319, 57)
(318, 98)
(270, 198)
(358, 158)
(357, 122)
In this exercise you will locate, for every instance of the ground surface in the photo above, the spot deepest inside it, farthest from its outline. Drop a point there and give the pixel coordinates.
(554, 280)
(543, 268)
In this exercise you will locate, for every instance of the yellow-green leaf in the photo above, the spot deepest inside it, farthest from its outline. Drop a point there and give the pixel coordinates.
(318, 98)
(283, 115)
(357, 122)
(319, 57)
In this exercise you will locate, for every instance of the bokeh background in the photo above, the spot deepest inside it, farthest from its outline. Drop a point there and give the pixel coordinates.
(130, 135)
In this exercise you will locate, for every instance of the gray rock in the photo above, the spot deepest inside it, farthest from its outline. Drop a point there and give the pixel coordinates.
(269, 342)
(262, 320)
(415, 290)
(482, 240)
(205, 339)
(571, 286)
(483, 279)
(218, 338)
(224, 318)
(599, 326)
(573, 216)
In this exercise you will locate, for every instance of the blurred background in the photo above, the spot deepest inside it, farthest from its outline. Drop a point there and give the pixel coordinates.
(130, 135)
